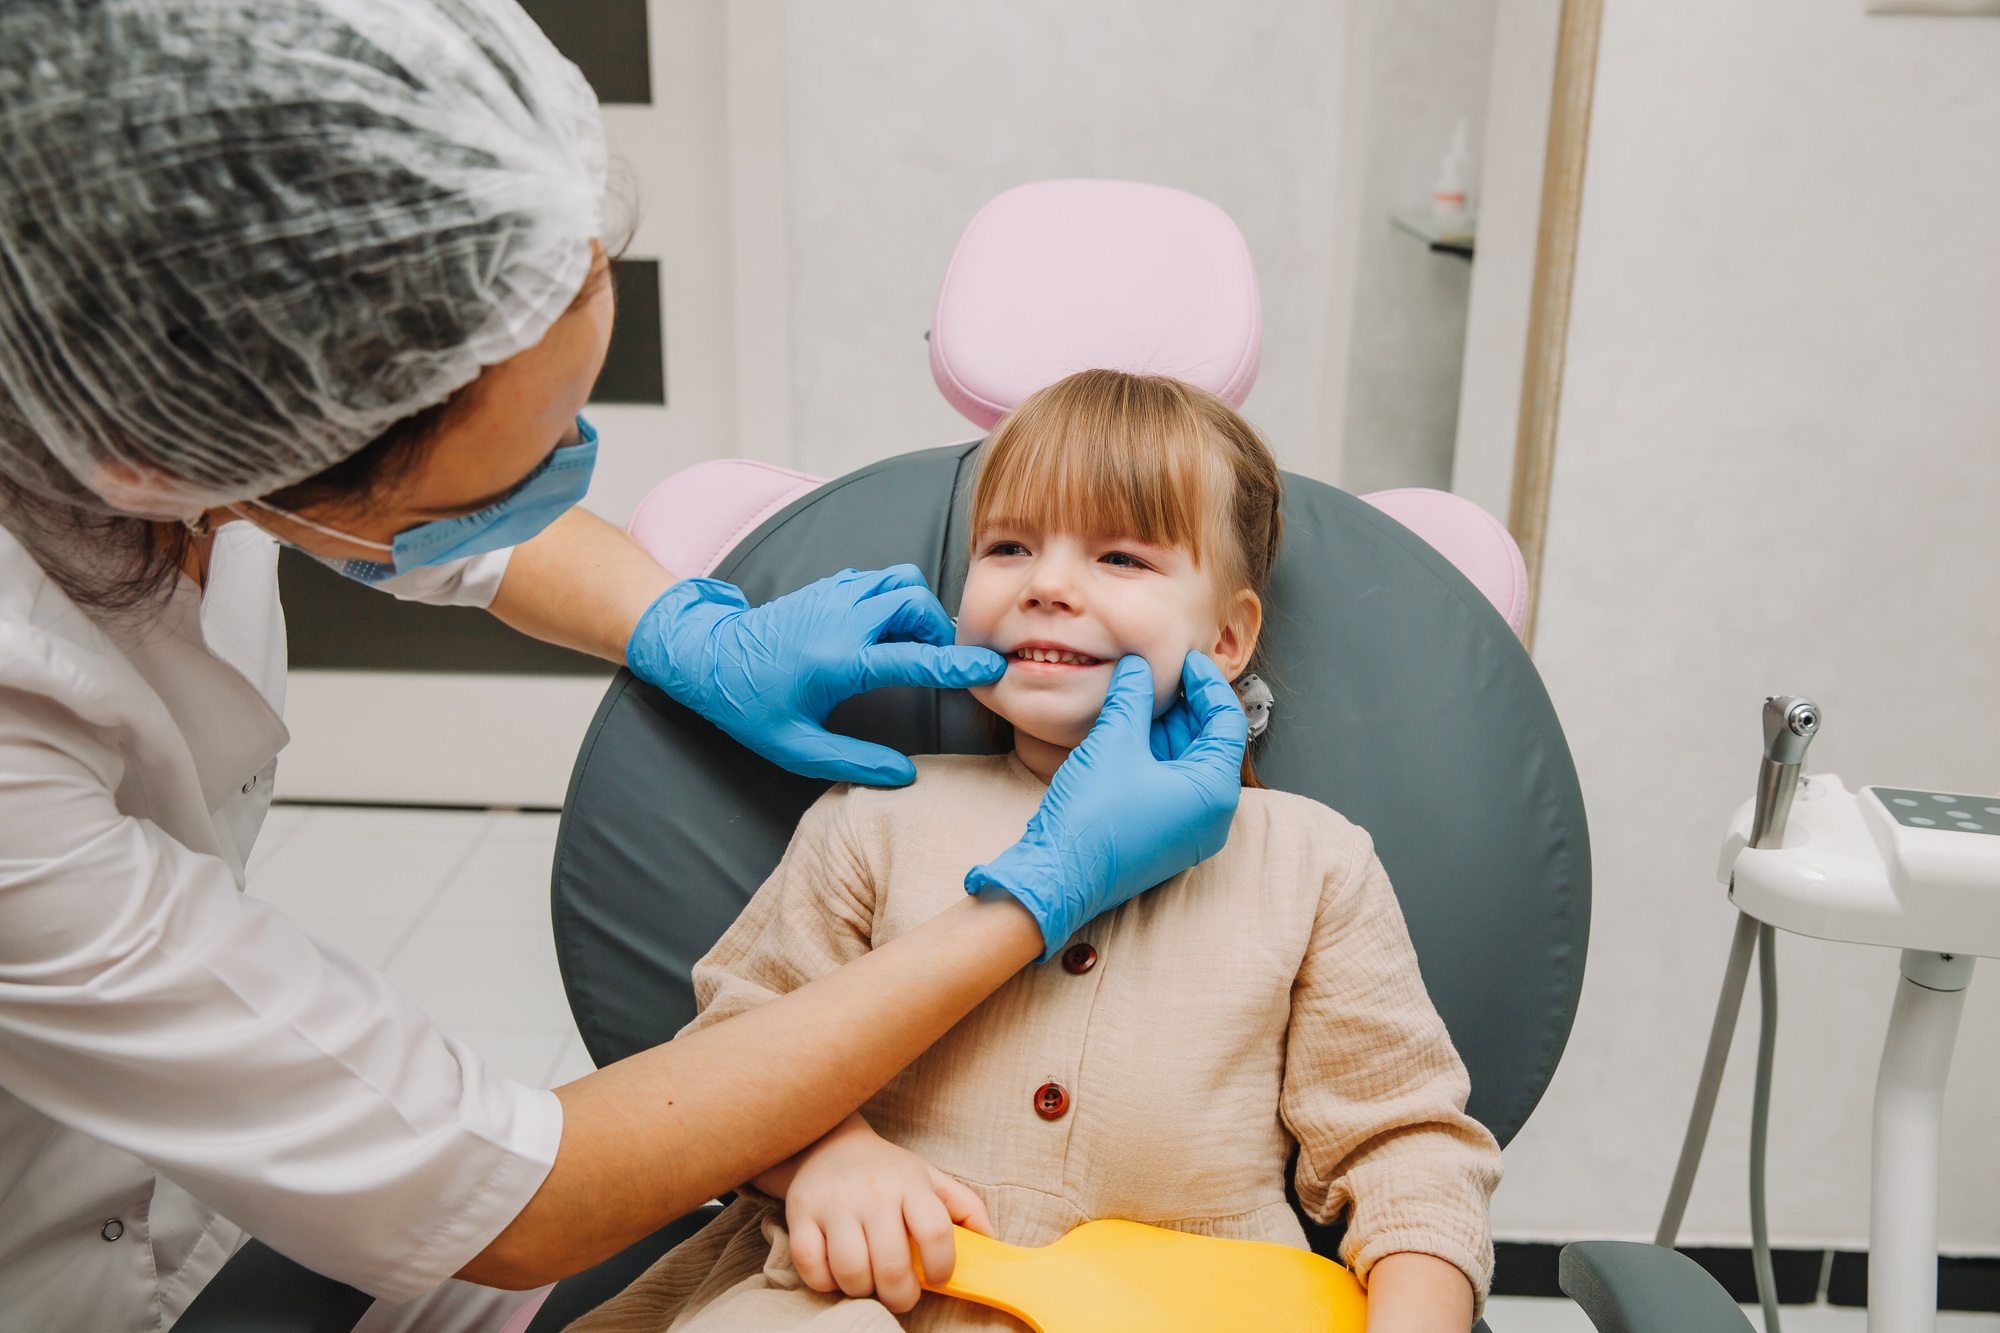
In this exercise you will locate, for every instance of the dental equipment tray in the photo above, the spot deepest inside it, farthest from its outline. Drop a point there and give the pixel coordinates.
(1903, 867)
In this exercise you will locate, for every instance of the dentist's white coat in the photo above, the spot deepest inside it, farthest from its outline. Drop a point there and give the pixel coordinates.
(175, 1057)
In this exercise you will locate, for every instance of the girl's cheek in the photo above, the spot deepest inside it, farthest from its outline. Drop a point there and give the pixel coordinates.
(1166, 683)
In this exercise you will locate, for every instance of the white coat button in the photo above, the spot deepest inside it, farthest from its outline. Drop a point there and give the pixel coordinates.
(250, 786)
(112, 1229)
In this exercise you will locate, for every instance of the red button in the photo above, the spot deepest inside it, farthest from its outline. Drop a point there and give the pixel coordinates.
(1051, 1101)
(1079, 959)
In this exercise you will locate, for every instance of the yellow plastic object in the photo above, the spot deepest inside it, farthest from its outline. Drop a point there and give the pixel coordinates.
(1126, 1277)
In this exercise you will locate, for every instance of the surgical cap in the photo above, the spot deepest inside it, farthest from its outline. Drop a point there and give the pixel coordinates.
(241, 238)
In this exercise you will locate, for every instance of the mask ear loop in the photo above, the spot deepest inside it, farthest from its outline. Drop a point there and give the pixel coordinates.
(320, 528)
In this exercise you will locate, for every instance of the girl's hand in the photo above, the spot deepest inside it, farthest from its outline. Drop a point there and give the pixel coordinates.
(855, 1204)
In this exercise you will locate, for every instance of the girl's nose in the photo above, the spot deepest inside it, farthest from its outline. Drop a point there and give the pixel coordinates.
(1051, 586)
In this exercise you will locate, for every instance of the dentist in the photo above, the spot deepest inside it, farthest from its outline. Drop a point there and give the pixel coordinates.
(329, 273)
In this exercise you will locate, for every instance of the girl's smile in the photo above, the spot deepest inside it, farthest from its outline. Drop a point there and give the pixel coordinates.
(1050, 655)
(1062, 609)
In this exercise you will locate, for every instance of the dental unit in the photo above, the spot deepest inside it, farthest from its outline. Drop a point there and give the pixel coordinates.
(1905, 868)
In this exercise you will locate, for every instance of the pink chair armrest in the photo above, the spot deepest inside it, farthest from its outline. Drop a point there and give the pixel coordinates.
(694, 518)
(1469, 537)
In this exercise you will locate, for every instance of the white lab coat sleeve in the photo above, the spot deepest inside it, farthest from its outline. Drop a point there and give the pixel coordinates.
(473, 581)
(145, 1001)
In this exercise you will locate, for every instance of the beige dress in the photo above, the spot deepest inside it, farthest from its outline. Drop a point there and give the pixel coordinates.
(1265, 1000)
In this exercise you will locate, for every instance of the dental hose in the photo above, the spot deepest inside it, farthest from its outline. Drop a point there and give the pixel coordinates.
(1727, 1007)
(1760, 1123)
(1790, 723)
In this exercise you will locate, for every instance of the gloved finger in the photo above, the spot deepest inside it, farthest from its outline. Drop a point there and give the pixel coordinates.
(815, 752)
(1172, 731)
(954, 667)
(713, 591)
(861, 584)
(1222, 728)
(930, 1241)
(847, 1255)
(891, 1268)
(809, 1253)
(966, 1208)
(906, 614)
(1128, 706)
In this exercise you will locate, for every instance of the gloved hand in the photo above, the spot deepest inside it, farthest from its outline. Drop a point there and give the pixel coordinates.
(769, 675)
(1119, 817)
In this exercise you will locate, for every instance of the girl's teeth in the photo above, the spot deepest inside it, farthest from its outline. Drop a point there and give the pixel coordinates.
(1051, 655)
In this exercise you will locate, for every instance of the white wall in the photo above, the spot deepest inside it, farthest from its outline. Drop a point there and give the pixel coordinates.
(905, 116)
(1305, 120)
(675, 153)
(1510, 210)
(1777, 469)
(806, 169)
(1419, 66)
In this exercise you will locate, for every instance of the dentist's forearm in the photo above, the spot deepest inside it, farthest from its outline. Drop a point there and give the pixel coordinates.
(653, 1136)
(580, 583)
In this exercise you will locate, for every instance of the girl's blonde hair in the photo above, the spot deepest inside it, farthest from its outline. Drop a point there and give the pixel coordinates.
(1141, 456)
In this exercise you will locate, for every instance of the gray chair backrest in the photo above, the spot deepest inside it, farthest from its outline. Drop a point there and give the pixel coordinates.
(1403, 701)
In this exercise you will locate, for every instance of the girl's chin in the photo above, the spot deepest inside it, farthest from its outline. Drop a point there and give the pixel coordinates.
(1063, 738)
(1063, 723)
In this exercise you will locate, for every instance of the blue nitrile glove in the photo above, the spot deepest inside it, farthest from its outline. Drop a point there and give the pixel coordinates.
(1119, 818)
(769, 675)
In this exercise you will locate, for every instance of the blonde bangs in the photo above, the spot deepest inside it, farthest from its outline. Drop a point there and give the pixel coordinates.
(1107, 454)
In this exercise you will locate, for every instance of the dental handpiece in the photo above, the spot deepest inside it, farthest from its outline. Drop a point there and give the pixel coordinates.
(1790, 723)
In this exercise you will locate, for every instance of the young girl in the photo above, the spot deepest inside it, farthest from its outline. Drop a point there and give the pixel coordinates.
(1185, 1045)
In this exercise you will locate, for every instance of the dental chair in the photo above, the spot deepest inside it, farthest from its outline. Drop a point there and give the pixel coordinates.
(1403, 699)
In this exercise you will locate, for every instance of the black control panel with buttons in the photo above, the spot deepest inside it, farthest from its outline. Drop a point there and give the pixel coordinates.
(1944, 810)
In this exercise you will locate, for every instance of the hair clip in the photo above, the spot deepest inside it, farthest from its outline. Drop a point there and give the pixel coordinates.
(1257, 700)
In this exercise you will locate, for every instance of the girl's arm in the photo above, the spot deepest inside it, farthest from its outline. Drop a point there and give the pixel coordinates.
(1409, 1292)
(1375, 1094)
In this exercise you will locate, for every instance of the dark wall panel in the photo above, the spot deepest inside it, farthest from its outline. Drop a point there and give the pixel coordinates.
(606, 39)
(635, 365)
(336, 624)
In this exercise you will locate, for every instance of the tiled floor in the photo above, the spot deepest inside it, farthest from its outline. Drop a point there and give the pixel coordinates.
(452, 905)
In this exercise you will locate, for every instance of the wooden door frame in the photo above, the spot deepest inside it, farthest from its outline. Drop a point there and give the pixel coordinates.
(1555, 271)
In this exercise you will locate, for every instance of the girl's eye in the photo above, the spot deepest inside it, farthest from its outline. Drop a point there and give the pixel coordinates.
(1006, 548)
(1123, 560)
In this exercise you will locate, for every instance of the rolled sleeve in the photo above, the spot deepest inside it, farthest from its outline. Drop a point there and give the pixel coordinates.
(148, 1003)
(1375, 1092)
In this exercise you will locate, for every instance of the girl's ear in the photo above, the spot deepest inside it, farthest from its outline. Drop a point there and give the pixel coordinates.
(1236, 638)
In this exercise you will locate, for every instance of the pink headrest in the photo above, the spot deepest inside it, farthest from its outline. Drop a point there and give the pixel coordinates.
(1062, 276)
(695, 517)
(1472, 539)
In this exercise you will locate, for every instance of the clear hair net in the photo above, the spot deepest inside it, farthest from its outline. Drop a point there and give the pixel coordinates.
(241, 238)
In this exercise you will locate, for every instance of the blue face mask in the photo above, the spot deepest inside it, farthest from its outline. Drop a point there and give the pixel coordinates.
(543, 496)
